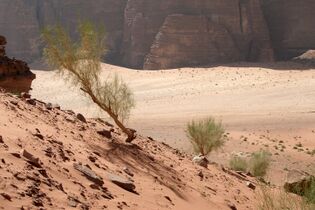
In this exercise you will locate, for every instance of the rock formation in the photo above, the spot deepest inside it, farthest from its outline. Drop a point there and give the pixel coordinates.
(292, 27)
(21, 22)
(179, 33)
(157, 34)
(15, 75)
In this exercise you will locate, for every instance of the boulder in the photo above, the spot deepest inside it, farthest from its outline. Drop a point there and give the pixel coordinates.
(122, 182)
(81, 117)
(89, 174)
(15, 75)
(105, 133)
(30, 158)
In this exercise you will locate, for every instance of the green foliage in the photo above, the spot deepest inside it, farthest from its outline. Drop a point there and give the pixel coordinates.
(259, 163)
(79, 62)
(238, 163)
(310, 192)
(205, 135)
(269, 199)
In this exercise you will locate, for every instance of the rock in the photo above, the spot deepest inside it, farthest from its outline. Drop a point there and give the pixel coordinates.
(105, 133)
(30, 158)
(25, 95)
(94, 186)
(200, 174)
(299, 182)
(121, 182)
(81, 118)
(92, 158)
(89, 174)
(73, 202)
(49, 106)
(6, 196)
(306, 58)
(127, 171)
(70, 119)
(15, 154)
(31, 101)
(1, 140)
(14, 102)
(250, 185)
(39, 135)
(201, 160)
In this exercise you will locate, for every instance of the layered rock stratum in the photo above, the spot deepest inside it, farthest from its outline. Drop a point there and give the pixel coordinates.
(157, 34)
(15, 75)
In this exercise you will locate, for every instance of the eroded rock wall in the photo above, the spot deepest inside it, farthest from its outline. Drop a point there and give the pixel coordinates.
(167, 34)
(292, 26)
(22, 20)
(158, 34)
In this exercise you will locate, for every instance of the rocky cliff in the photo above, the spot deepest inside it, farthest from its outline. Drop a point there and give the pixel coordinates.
(15, 75)
(158, 34)
(21, 22)
(292, 26)
(208, 32)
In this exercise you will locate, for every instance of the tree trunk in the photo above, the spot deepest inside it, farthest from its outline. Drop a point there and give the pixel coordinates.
(131, 134)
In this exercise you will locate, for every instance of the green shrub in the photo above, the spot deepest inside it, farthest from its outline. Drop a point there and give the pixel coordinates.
(259, 163)
(205, 135)
(269, 199)
(238, 163)
(310, 192)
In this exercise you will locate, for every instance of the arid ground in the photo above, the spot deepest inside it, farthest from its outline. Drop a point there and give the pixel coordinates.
(268, 107)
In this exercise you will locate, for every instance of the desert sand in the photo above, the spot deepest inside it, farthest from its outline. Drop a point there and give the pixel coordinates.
(42, 149)
(265, 107)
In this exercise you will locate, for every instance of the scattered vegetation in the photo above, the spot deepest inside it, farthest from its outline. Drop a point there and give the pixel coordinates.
(269, 199)
(205, 135)
(238, 163)
(259, 163)
(80, 64)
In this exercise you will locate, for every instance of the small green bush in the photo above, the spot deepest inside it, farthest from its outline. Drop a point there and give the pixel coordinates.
(205, 135)
(259, 163)
(310, 192)
(238, 163)
(269, 199)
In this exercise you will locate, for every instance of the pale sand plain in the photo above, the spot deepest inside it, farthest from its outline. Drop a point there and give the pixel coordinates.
(270, 107)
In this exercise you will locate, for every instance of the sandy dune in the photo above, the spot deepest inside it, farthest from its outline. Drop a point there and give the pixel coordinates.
(66, 164)
(260, 107)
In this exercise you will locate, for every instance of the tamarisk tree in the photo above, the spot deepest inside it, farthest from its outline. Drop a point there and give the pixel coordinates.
(79, 63)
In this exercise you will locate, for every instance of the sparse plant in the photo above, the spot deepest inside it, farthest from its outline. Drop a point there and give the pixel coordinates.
(271, 199)
(259, 163)
(205, 135)
(80, 64)
(238, 163)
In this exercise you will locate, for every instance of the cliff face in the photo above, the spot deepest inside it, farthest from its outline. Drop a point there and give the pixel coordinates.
(292, 26)
(208, 32)
(22, 20)
(158, 34)
(15, 75)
